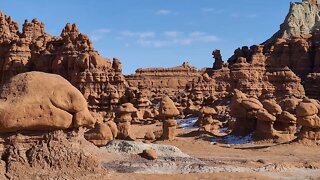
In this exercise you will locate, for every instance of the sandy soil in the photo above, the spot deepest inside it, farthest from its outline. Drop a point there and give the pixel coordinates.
(276, 161)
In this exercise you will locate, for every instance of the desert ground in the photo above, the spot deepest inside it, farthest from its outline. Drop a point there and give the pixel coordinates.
(261, 160)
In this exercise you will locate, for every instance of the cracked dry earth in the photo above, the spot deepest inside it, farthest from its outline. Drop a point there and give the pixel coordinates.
(218, 161)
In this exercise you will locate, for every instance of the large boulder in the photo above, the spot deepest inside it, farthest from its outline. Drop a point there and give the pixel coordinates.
(309, 121)
(306, 109)
(41, 101)
(100, 135)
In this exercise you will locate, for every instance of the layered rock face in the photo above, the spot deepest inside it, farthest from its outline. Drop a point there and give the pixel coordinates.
(70, 55)
(248, 71)
(302, 19)
(159, 80)
(279, 66)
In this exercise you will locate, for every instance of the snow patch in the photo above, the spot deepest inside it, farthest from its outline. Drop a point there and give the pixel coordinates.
(231, 139)
(187, 123)
(222, 130)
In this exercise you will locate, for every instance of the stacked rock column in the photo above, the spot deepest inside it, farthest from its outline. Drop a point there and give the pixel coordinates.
(309, 120)
(123, 120)
(168, 111)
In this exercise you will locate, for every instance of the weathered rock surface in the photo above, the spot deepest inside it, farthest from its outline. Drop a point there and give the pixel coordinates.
(100, 135)
(265, 120)
(70, 55)
(160, 80)
(41, 101)
(308, 118)
(123, 120)
(133, 147)
(57, 155)
(303, 18)
(168, 111)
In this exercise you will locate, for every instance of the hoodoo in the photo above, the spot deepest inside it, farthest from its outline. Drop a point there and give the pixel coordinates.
(66, 112)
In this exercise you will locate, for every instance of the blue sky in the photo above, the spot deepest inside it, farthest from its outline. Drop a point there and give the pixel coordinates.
(159, 33)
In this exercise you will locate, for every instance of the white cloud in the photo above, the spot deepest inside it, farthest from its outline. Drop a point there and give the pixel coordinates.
(203, 37)
(152, 43)
(172, 33)
(103, 30)
(176, 38)
(166, 38)
(212, 10)
(163, 12)
(98, 34)
(146, 34)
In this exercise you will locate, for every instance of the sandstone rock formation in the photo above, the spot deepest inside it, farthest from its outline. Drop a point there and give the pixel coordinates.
(164, 80)
(41, 101)
(102, 133)
(45, 155)
(283, 68)
(206, 120)
(264, 128)
(308, 117)
(302, 19)
(218, 63)
(123, 120)
(167, 112)
(286, 122)
(150, 136)
(244, 109)
(264, 120)
(70, 55)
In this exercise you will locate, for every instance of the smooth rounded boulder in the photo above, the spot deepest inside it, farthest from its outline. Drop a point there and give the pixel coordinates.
(41, 101)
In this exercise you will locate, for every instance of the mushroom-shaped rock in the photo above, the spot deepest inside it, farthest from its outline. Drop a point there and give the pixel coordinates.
(306, 109)
(309, 120)
(289, 104)
(272, 107)
(251, 104)
(41, 101)
(243, 110)
(126, 108)
(237, 94)
(167, 108)
(264, 129)
(264, 115)
(206, 121)
(123, 120)
(313, 101)
(285, 116)
(286, 122)
(168, 111)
